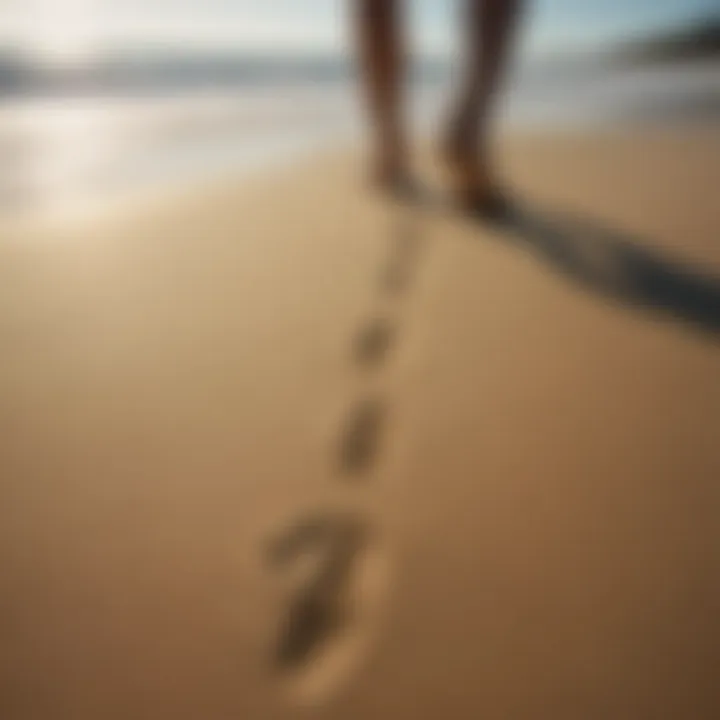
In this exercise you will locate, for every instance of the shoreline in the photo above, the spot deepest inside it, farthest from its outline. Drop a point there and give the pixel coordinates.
(64, 153)
(272, 163)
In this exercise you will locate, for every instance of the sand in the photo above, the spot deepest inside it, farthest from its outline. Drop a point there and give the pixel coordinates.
(289, 448)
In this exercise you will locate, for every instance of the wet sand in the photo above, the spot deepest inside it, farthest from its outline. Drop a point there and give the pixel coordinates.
(289, 444)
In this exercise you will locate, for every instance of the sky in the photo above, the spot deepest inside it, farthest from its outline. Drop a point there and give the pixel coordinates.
(69, 30)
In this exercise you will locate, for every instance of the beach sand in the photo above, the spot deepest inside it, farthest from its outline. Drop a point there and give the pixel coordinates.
(290, 448)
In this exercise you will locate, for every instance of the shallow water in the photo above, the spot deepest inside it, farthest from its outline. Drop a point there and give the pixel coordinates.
(69, 150)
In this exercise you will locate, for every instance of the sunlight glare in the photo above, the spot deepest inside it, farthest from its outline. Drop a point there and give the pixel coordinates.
(60, 31)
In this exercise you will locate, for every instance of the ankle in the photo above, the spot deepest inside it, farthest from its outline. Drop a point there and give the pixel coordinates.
(391, 158)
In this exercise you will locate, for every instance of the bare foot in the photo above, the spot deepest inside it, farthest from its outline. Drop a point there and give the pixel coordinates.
(393, 179)
(391, 172)
(473, 181)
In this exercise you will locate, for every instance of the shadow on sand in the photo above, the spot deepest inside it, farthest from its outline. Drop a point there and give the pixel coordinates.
(613, 264)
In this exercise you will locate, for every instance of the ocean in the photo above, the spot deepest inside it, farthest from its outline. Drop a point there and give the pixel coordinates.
(67, 143)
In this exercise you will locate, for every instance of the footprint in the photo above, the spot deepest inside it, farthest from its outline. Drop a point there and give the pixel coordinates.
(330, 614)
(396, 276)
(360, 442)
(373, 342)
(394, 280)
(316, 612)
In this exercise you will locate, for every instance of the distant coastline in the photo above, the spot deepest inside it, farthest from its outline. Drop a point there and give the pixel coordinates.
(697, 42)
(137, 72)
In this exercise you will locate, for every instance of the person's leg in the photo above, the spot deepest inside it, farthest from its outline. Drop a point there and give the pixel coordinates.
(381, 53)
(490, 26)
